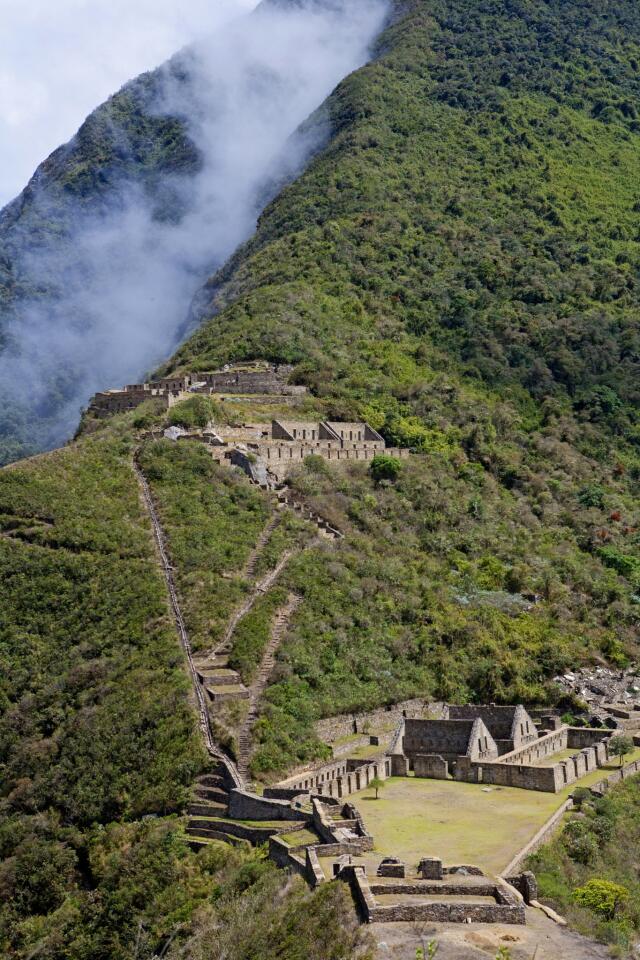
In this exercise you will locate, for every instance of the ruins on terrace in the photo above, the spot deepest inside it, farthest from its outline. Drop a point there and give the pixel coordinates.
(252, 379)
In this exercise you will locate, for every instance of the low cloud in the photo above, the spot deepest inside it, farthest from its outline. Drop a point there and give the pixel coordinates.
(59, 58)
(132, 276)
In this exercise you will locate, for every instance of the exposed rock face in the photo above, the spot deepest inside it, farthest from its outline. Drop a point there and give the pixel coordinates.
(602, 687)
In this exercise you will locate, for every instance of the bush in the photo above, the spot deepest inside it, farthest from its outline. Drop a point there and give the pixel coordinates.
(384, 467)
(195, 412)
(602, 897)
(581, 845)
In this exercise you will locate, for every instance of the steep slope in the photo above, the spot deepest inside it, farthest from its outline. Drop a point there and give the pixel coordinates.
(458, 266)
(102, 253)
(478, 201)
(124, 147)
(99, 743)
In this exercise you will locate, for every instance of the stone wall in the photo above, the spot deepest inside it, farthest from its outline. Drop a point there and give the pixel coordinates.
(430, 766)
(383, 720)
(544, 779)
(340, 778)
(254, 835)
(282, 793)
(283, 857)
(315, 874)
(506, 909)
(449, 739)
(106, 404)
(269, 381)
(510, 726)
(543, 747)
(249, 806)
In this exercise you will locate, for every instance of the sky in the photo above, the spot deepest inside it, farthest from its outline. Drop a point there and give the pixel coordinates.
(61, 58)
(121, 278)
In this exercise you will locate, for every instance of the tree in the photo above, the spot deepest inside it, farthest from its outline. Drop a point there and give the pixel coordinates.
(384, 467)
(377, 785)
(620, 746)
(601, 896)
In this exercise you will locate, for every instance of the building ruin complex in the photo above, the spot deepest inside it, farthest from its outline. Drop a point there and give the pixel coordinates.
(255, 379)
(499, 745)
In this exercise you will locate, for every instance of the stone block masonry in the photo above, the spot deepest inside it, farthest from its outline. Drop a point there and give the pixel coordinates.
(507, 908)
(340, 778)
(383, 720)
(465, 749)
(249, 806)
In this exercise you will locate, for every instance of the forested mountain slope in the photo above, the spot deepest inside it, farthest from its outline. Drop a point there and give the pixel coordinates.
(124, 148)
(102, 253)
(459, 267)
(478, 205)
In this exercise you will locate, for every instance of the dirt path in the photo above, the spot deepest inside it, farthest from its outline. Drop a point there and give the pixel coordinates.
(541, 939)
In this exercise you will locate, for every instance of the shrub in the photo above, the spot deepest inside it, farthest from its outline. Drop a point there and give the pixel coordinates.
(195, 412)
(602, 897)
(384, 467)
(580, 844)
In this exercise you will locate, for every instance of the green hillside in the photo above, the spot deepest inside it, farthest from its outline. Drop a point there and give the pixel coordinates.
(124, 148)
(459, 267)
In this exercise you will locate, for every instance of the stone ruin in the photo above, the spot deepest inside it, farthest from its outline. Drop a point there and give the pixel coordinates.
(433, 893)
(267, 453)
(500, 745)
(251, 380)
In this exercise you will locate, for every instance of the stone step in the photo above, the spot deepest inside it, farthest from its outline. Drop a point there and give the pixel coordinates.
(222, 677)
(227, 692)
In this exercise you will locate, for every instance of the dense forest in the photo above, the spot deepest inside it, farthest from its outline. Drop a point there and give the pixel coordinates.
(458, 267)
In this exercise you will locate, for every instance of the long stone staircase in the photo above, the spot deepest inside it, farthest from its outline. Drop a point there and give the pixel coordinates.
(215, 682)
(256, 553)
(278, 630)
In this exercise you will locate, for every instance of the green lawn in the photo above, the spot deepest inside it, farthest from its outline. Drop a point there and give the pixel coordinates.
(297, 837)
(458, 822)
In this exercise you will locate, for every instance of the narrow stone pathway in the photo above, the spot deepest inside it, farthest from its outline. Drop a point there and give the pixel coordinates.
(259, 589)
(287, 499)
(203, 713)
(279, 627)
(256, 553)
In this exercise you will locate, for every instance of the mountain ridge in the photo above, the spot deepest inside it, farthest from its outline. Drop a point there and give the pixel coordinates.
(458, 268)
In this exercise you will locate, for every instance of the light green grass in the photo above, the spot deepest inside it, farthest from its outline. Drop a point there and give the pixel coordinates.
(299, 837)
(458, 822)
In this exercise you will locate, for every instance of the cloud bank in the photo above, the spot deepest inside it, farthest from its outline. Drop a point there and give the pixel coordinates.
(59, 59)
(132, 275)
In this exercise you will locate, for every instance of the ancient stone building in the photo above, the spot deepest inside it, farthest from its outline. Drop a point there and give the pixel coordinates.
(510, 726)
(497, 745)
(448, 739)
(258, 379)
(328, 434)
(121, 401)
